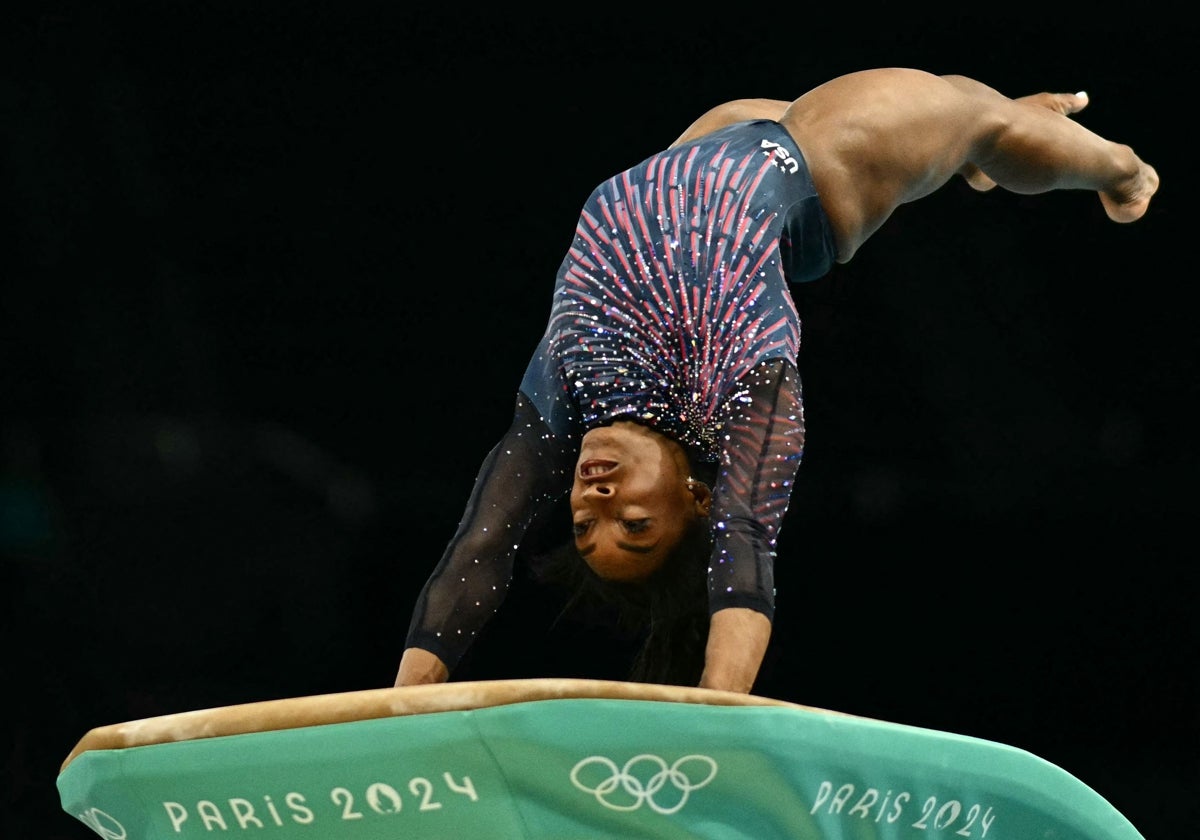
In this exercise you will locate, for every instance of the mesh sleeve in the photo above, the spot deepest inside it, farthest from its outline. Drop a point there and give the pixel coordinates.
(523, 474)
(761, 454)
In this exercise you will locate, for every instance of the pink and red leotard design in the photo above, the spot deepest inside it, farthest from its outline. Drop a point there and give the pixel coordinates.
(671, 309)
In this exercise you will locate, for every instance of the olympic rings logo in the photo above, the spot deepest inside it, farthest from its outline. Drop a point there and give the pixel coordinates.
(106, 825)
(633, 791)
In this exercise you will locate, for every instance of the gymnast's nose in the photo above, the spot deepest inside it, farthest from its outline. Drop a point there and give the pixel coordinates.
(599, 490)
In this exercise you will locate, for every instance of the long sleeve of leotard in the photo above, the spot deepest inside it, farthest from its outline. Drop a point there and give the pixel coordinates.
(760, 457)
(522, 474)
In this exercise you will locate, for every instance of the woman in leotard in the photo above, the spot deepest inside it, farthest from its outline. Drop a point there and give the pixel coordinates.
(664, 398)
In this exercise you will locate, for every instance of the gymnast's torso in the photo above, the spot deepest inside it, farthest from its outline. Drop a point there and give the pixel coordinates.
(675, 287)
(671, 308)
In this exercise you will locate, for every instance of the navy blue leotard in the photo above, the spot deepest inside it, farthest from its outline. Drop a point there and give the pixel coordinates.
(671, 308)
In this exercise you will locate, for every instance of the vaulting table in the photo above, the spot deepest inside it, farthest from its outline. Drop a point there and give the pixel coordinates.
(563, 759)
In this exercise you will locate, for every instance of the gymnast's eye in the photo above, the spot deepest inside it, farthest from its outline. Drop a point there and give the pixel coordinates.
(635, 526)
(581, 528)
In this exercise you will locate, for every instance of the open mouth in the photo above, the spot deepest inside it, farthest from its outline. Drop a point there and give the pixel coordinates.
(595, 467)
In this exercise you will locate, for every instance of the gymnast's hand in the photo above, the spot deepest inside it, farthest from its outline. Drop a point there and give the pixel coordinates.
(737, 642)
(420, 667)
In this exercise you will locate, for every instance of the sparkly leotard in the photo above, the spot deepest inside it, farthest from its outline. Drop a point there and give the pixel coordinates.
(671, 309)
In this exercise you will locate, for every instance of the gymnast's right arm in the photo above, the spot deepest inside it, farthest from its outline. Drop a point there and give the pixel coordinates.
(521, 475)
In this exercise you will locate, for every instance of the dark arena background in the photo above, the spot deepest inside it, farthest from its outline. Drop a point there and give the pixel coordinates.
(273, 272)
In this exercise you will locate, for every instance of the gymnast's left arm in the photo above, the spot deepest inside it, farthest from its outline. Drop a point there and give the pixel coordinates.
(421, 667)
(521, 474)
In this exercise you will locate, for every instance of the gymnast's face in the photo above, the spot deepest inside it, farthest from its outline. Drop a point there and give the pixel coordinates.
(632, 500)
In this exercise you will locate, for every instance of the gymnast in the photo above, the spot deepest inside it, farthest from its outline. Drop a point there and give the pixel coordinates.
(663, 398)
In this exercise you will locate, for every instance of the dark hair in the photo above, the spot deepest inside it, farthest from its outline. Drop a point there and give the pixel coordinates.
(668, 611)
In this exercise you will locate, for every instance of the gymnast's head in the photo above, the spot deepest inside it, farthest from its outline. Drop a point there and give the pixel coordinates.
(633, 500)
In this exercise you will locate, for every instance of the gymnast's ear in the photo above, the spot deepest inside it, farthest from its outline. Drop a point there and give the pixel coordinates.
(701, 496)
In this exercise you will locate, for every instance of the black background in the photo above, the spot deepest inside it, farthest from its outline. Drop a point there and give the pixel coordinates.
(274, 272)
